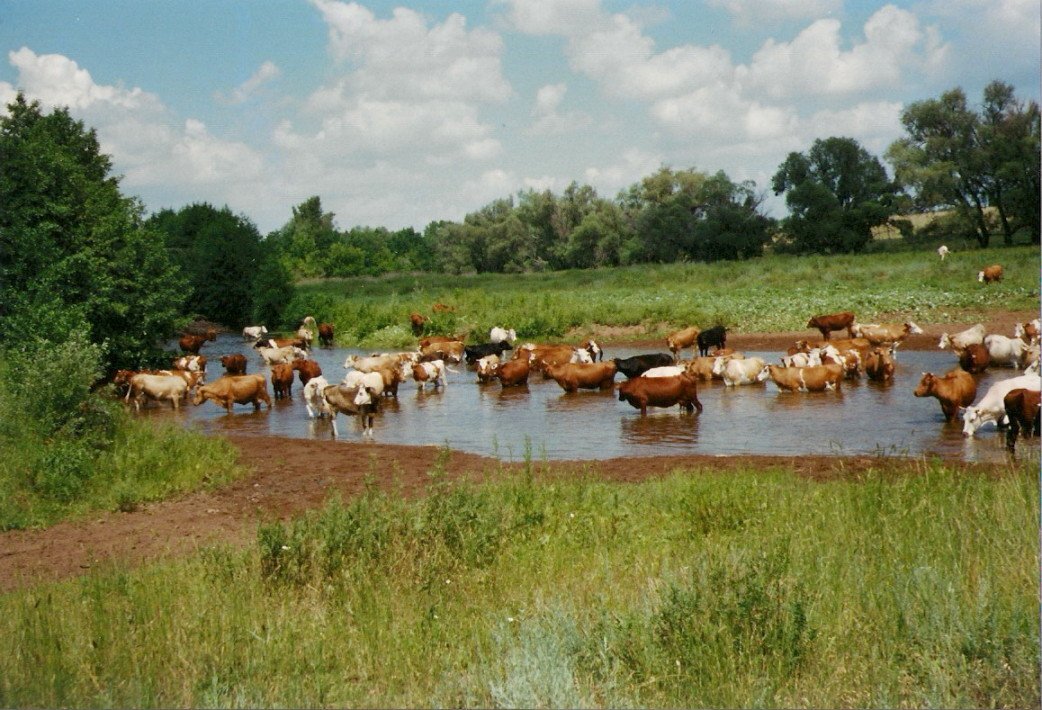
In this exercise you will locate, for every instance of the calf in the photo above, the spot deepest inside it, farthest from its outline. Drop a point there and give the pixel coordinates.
(282, 379)
(234, 364)
(639, 364)
(879, 365)
(682, 339)
(817, 378)
(359, 400)
(241, 389)
(473, 353)
(1022, 410)
(990, 408)
(325, 335)
(306, 369)
(715, 337)
(828, 322)
(575, 376)
(644, 392)
(955, 390)
(974, 358)
(990, 273)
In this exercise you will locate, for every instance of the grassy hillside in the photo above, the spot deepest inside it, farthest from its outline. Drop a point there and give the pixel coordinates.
(906, 587)
(776, 292)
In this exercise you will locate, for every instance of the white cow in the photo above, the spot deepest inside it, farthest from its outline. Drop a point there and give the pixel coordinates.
(499, 335)
(313, 399)
(960, 341)
(285, 354)
(371, 380)
(157, 387)
(665, 371)
(991, 408)
(808, 359)
(424, 372)
(1008, 351)
(254, 332)
(361, 401)
(747, 371)
(943, 251)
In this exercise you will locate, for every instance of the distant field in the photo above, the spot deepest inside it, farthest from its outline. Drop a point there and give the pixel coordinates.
(773, 293)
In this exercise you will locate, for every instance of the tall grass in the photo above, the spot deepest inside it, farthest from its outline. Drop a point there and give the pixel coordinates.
(758, 588)
(775, 292)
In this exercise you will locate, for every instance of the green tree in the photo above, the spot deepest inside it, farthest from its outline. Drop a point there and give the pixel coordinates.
(836, 193)
(220, 253)
(304, 241)
(272, 288)
(74, 252)
(1010, 141)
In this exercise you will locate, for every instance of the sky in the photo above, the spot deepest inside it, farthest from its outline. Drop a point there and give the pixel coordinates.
(397, 114)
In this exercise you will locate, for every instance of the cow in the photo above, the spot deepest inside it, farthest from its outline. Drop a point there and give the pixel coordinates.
(956, 389)
(990, 408)
(286, 355)
(800, 346)
(542, 356)
(575, 376)
(644, 392)
(191, 343)
(681, 339)
(416, 322)
(190, 363)
(157, 387)
(325, 335)
(473, 353)
(974, 358)
(879, 365)
(665, 371)
(702, 368)
(306, 369)
(372, 363)
(443, 308)
(514, 373)
(712, 337)
(313, 400)
(374, 381)
(254, 332)
(990, 273)
(849, 358)
(450, 351)
(1028, 332)
(943, 251)
(281, 343)
(639, 364)
(502, 335)
(1032, 362)
(885, 333)
(424, 372)
(828, 322)
(487, 368)
(802, 359)
(305, 336)
(817, 378)
(958, 342)
(239, 389)
(282, 379)
(347, 400)
(234, 364)
(432, 339)
(741, 371)
(1008, 351)
(590, 345)
(1022, 410)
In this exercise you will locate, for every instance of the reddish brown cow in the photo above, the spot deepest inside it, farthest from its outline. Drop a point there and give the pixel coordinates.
(975, 358)
(1022, 408)
(990, 273)
(574, 376)
(234, 364)
(282, 380)
(879, 365)
(829, 322)
(191, 343)
(513, 372)
(435, 339)
(325, 335)
(306, 369)
(244, 389)
(644, 392)
(416, 321)
(956, 389)
(449, 351)
(682, 339)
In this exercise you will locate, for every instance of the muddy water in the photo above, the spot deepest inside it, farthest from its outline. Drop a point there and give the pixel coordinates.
(541, 421)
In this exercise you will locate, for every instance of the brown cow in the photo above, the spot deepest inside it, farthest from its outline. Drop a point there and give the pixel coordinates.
(990, 273)
(975, 358)
(432, 339)
(956, 389)
(513, 372)
(416, 321)
(325, 335)
(879, 365)
(191, 343)
(450, 351)
(1023, 412)
(589, 376)
(702, 368)
(282, 380)
(234, 364)
(829, 322)
(442, 308)
(306, 369)
(682, 339)
(644, 392)
(813, 378)
(241, 389)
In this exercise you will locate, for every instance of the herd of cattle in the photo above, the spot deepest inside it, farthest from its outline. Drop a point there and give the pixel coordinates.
(662, 379)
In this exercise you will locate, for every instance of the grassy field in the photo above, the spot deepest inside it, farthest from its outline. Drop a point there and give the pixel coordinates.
(911, 585)
(773, 293)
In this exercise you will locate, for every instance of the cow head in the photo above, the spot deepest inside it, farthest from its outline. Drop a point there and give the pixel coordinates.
(363, 396)
(912, 329)
(925, 387)
(763, 374)
(972, 421)
(945, 341)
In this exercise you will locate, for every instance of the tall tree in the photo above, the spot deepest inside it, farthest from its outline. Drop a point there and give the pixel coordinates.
(836, 193)
(74, 252)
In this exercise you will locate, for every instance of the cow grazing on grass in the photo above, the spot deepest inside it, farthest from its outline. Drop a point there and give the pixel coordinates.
(828, 322)
(715, 337)
(360, 401)
(644, 392)
(990, 273)
(1022, 410)
(234, 364)
(682, 339)
(991, 408)
(191, 343)
(639, 364)
(589, 376)
(240, 389)
(956, 389)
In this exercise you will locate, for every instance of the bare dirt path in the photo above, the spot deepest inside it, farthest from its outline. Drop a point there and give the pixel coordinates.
(288, 476)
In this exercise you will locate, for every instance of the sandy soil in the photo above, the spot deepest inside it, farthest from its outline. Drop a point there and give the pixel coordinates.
(288, 476)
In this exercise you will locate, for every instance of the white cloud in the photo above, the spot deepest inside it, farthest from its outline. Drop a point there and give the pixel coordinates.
(548, 119)
(240, 94)
(554, 17)
(749, 11)
(632, 165)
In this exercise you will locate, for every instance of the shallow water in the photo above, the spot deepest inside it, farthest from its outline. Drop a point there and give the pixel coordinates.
(541, 421)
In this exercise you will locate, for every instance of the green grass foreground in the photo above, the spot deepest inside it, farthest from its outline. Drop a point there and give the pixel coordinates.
(910, 585)
(772, 293)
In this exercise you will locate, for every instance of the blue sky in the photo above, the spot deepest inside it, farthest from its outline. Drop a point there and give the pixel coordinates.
(400, 113)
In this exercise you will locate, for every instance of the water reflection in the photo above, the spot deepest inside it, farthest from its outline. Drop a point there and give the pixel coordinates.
(542, 421)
